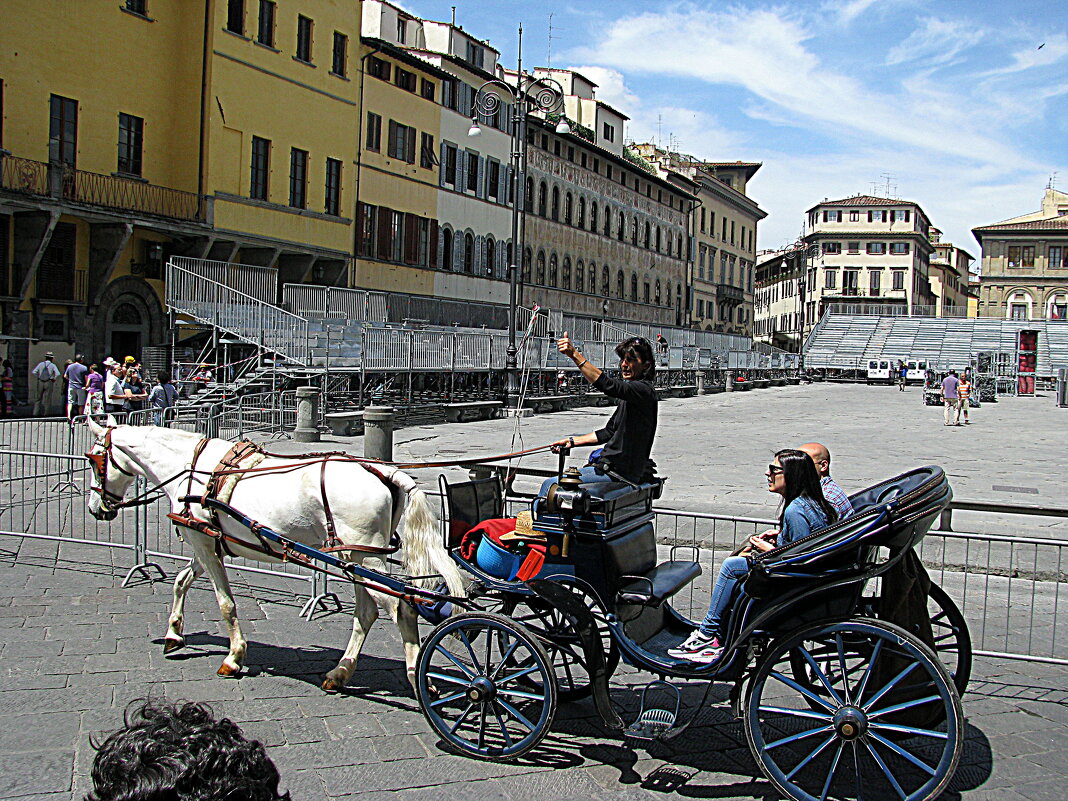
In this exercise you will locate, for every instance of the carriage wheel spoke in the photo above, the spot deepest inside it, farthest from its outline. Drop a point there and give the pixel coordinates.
(461, 719)
(455, 660)
(519, 675)
(448, 699)
(504, 659)
(820, 675)
(889, 686)
(803, 690)
(530, 696)
(445, 677)
(795, 713)
(793, 738)
(904, 705)
(842, 667)
(503, 727)
(939, 735)
(885, 769)
(830, 773)
(859, 695)
(470, 650)
(819, 749)
(481, 726)
(515, 713)
(901, 752)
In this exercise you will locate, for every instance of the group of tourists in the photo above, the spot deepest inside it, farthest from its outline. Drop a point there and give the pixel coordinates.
(956, 395)
(801, 476)
(108, 387)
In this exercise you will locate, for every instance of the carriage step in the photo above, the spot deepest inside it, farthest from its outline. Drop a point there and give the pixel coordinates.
(655, 722)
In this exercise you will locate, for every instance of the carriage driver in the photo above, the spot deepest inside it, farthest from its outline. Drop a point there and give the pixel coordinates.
(627, 439)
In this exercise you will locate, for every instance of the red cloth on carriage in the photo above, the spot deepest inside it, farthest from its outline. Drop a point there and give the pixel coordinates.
(496, 529)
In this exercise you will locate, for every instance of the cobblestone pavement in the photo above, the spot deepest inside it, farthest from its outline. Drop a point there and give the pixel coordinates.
(76, 648)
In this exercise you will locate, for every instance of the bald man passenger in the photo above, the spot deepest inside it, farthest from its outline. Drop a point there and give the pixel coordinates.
(831, 491)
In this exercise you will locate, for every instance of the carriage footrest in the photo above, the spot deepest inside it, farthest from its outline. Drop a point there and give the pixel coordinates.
(656, 718)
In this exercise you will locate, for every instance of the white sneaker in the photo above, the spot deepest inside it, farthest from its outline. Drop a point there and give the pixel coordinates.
(693, 645)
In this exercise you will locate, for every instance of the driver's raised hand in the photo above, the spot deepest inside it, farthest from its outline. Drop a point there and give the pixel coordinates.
(565, 345)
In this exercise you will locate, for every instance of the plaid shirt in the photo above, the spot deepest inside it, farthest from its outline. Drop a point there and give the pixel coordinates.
(837, 497)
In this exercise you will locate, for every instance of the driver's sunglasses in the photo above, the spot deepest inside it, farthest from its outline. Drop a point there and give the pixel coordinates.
(774, 470)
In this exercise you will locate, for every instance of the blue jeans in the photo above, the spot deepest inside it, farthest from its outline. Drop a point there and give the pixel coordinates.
(733, 569)
(589, 476)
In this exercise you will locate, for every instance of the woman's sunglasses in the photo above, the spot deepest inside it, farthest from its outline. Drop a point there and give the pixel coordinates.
(774, 470)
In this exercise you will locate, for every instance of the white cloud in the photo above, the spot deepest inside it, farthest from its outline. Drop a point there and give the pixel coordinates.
(611, 88)
(845, 13)
(1048, 50)
(936, 41)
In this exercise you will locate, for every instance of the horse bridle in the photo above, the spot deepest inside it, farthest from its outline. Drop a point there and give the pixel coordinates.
(100, 462)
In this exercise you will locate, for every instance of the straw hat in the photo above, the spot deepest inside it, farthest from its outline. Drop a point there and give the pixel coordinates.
(109, 362)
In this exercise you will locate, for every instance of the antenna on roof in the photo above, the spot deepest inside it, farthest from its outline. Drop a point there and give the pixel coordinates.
(454, 16)
(549, 47)
(889, 188)
(1052, 183)
(659, 126)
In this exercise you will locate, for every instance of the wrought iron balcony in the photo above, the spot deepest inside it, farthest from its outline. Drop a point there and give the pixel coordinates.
(729, 293)
(29, 177)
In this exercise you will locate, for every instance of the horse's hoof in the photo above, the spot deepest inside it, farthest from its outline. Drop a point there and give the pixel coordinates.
(228, 671)
(172, 644)
(333, 683)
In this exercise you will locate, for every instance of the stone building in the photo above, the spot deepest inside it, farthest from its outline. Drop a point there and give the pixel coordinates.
(724, 228)
(1024, 263)
(778, 297)
(874, 256)
(950, 277)
(605, 234)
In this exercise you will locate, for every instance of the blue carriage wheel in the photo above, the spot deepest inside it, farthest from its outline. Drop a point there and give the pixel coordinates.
(486, 686)
(877, 717)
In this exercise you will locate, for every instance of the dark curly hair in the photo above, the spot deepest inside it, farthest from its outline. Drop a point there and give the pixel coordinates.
(179, 752)
(639, 348)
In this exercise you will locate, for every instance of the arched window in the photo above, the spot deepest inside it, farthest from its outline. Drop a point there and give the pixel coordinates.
(554, 271)
(593, 279)
(542, 192)
(508, 259)
(593, 216)
(469, 253)
(607, 221)
(446, 249)
(581, 222)
(529, 202)
(539, 270)
(606, 281)
(621, 229)
(634, 232)
(621, 285)
(491, 257)
(566, 274)
(658, 239)
(645, 292)
(580, 276)
(556, 203)
(567, 209)
(648, 230)
(527, 259)
(634, 286)
(126, 314)
(657, 296)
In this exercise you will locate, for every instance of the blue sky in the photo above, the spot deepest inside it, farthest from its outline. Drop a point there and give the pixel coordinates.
(959, 105)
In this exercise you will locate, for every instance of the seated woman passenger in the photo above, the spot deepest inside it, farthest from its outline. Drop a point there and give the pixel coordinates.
(628, 436)
(804, 509)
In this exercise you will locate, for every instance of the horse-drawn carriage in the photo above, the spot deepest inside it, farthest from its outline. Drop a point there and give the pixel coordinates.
(838, 700)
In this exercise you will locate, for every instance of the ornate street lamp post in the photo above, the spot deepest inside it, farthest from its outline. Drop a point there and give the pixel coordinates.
(530, 93)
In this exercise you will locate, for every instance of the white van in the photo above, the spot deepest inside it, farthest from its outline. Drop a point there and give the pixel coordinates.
(882, 370)
(917, 372)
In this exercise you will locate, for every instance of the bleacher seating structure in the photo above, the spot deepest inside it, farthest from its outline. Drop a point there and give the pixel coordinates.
(844, 341)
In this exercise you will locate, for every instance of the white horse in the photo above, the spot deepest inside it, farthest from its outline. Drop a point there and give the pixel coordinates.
(290, 502)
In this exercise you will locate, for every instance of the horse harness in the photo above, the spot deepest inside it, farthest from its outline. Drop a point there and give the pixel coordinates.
(242, 459)
(100, 462)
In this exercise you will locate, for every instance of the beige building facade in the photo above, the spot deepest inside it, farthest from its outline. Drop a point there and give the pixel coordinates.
(778, 292)
(874, 255)
(1024, 263)
(950, 276)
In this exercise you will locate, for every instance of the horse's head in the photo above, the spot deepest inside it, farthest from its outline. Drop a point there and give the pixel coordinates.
(112, 472)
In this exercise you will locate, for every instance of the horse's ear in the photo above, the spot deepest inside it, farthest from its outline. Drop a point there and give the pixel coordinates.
(112, 422)
(96, 429)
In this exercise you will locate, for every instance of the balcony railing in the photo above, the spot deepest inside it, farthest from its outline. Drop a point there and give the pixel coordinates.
(730, 293)
(71, 287)
(23, 176)
(29, 177)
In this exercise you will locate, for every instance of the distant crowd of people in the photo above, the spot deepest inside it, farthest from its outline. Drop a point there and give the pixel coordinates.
(108, 387)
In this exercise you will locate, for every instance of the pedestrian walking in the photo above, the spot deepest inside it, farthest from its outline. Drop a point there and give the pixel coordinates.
(964, 393)
(902, 375)
(94, 391)
(163, 396)
(75, 376)
(951, 398)
(7, 388)
(47, 374)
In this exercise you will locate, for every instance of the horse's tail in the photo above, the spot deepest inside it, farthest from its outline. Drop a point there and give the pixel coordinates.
(423, 553)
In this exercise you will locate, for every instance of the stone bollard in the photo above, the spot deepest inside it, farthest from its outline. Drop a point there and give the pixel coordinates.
(700, 382)
(378, 433)
(730, 382)
(307, 414)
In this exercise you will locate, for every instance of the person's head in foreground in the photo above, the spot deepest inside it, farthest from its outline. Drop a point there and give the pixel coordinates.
(179, 752)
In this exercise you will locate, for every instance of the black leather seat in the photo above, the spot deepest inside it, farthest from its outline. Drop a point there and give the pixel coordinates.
(655, 586)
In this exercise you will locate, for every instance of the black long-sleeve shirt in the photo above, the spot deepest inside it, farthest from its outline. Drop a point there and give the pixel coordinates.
(628, 435)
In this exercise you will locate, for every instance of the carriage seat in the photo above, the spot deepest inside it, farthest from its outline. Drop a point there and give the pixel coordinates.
(655, 586)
